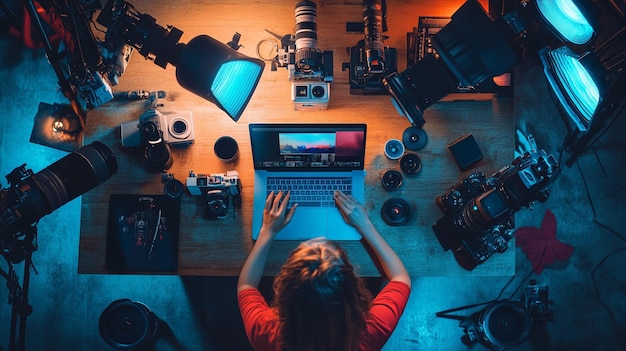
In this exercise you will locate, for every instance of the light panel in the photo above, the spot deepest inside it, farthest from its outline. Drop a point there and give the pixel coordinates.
(233, 85)
(572, 84)
(567, 19)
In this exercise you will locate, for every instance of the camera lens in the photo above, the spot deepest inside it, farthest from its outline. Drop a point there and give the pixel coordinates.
(410, 164)
(62, 181)
(158, 157)
(395, 211)
(179, 127)
(505, 324)
(226, 149)
(391, 179)
(306, 36)
(217, 204)
(126, 324)
(414, 138)
(318, 91)
(373, 27)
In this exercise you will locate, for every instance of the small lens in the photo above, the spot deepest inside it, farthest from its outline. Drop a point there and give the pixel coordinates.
(179, 127)
(318, 91)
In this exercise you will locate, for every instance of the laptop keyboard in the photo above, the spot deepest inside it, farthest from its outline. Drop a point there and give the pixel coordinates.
(311, 192)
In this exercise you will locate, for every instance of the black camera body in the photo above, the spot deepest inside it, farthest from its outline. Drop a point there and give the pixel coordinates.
(505, 324)
(310, 69)
(221, 192)
(370, 59)
(477, 210)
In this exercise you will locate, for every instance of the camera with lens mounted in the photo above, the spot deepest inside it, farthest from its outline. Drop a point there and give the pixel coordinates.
(31, 196)
(477, 211)
(370, 59)
(310, 69)
(220, 192)
(505, 324)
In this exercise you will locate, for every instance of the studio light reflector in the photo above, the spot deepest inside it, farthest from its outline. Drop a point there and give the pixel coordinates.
(217, 73)
(571, 79)
(567, 19)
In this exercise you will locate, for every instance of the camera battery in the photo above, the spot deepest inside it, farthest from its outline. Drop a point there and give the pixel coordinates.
(465, 151)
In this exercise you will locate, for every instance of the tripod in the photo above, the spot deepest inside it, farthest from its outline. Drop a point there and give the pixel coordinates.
(17, 251)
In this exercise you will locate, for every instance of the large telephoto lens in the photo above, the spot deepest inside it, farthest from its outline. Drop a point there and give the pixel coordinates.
(373, 27)
(306, 36)
(59, 183)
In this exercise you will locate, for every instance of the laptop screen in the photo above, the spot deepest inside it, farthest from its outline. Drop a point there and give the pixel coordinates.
(308, 146)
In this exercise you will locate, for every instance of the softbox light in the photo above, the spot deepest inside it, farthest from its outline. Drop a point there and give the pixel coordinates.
(219, 74)
(576, 81)
(567, 19)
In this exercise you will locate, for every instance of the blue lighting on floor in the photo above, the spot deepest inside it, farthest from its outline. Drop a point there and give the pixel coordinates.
(234, 84)
(567, 20)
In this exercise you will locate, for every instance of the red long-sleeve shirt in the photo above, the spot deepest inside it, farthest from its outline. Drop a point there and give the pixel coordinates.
(261, 321)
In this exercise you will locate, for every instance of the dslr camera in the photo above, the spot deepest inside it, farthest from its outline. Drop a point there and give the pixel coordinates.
(477, 210)
(370, 59)
(310, 70)
(221, 192)
(505, 324)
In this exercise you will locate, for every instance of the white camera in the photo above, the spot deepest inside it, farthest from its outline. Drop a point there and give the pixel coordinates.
(310, 96)
(177, 128)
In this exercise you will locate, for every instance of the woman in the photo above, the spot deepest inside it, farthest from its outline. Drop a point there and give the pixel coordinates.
(319, 303)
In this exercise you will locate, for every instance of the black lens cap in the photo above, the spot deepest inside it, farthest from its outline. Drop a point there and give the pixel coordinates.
(414, 138)
(410, 164)
(395, 211)
(391, 179)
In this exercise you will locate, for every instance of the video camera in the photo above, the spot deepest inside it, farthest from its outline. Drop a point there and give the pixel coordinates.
(310, 70)
(477, 210)
(221, 192)
(370, 59)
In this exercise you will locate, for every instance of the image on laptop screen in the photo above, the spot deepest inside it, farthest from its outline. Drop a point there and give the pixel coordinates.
(289, 147)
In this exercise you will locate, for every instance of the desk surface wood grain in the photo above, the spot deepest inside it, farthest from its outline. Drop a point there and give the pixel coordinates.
(219, 247)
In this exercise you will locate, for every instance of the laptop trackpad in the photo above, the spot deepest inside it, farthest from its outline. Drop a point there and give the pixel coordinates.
(306, 223)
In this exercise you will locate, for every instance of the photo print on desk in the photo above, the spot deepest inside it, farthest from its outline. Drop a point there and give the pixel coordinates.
(142, 234)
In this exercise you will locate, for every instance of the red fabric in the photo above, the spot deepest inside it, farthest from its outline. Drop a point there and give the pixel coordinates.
(261, 321)
(541, 245)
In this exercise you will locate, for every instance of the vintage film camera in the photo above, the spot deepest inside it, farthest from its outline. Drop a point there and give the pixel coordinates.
(477, 211)
(370, 59)
(310, 70)
(505, 324)
(221, 192)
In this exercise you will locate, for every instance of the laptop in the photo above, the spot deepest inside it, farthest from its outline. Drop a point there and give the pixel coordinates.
(310, 160)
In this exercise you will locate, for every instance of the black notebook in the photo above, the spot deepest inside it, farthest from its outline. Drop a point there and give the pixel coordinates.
(142, 233)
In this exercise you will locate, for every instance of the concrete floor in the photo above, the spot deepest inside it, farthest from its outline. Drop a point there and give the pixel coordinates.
(588, 290)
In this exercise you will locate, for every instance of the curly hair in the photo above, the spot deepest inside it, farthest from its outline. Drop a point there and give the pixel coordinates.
(321, 303)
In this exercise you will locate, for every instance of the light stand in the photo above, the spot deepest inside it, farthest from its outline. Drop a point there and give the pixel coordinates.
(18, 295)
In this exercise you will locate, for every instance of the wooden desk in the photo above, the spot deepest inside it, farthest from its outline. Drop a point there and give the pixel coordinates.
(219, 247)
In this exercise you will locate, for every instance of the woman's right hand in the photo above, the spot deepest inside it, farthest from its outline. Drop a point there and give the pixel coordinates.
(275, 215)
(351, 210)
